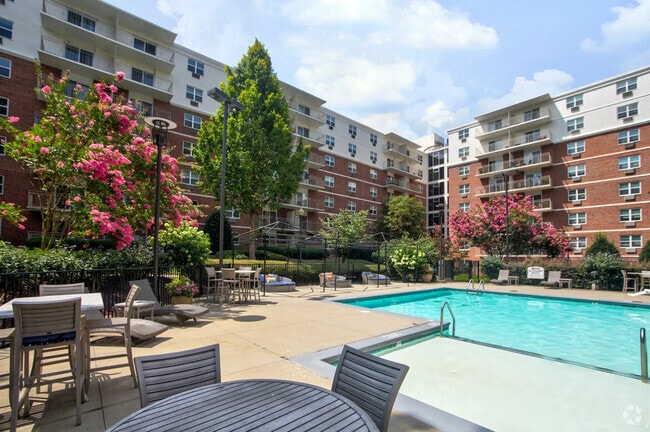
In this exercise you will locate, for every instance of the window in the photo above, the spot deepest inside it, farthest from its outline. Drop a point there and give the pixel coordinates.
(329, 160)
(463, 152)
(464, 207)
(463, 189)
(631, 241)
(352, 206)
(576, 171)
(189, 178)
(373, 156)
(329, 202)
(533, 136)
(531, 115)
(372, 210)
(463, 134)
(3, 140)
(373, 139)
(373, 192)
(463, 170)
(4, 106)
(629, 162)
(495, 125)
(5, 67)
(629, 215)
(196, 67)
(80, 20)
(352, 167)
(626, 85)
(629, 188)
(373, 174)
(577, 218)
(575, 148)
(352, 148)
(330, 140)
(188, 149)
(352, 187)
(142, 76)
(6, 28)
(232, 214)
(352, 130)
(304, 109)
(627, 111)
(194, 94)
(628, 136)
(75, 54)
(144, 108)
(302, 131)
(329, 181)
(331, 121)
(575, 124)
(2, 185)
(578, 242)
(574, 101)
(495, 145)
(143, 45)
(578, 194)
(192, 121)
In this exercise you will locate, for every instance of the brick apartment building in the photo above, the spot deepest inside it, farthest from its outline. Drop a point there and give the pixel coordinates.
(583, 155)
(351, 165)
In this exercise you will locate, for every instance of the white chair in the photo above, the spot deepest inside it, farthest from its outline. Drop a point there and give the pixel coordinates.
(38, 326)
(230, 283)
(502, 278)
(73, 288)
(213, 284)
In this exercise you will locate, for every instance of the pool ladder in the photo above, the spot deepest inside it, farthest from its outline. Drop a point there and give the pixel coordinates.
(453, 319)
(644, 356)
(470, 286)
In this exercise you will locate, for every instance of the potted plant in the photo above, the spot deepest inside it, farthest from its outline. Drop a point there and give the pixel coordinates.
(427, 274)
(182, 289)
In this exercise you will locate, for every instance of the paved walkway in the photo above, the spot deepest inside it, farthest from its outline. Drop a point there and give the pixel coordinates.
(257, 341)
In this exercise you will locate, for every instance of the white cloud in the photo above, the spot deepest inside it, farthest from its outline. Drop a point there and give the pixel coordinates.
(629, 28)
(550, 81)
(438, 117)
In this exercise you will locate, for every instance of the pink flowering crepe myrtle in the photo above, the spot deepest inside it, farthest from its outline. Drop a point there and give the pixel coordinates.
(98, 162)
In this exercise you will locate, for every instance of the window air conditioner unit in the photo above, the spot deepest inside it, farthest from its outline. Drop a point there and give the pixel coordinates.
(353, 135)
(195, 75)
(627, 94)
(194, 103)
(576, 155)
(353, 154)
(463, 195)
(463, 140)
(463, 177)
(630, 250)
(576, 178)
(576, 202)
(331, 127)
(575, 109)
(630, 224)
(629, 171)
(577, 226)
(630, 197)
(577, 250)
(629, 145)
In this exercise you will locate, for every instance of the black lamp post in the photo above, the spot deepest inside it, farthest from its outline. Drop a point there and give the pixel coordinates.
(229, 103)
(506, 179)
(159, 128)
(301, 214)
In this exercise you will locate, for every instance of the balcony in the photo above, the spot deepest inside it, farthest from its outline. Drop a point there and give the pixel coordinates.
(543, 205)
(306, 116)
(400, 153)
(400, 170)
(536, 161)
(527, 186)
(314, 161)
(393, 186)
(516, 123)
(519, 142)
(312, 139)
(312, 183)
(39, 201)
(305, 204)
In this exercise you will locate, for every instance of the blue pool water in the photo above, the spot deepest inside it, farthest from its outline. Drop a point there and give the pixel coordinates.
(597, 334)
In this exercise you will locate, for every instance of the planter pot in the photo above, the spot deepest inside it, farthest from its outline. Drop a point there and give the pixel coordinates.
(182, 300)
(427, 277)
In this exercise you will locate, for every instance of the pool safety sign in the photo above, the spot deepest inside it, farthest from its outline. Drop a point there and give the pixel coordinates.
(536, 273)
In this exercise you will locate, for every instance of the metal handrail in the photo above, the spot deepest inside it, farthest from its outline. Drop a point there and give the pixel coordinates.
(453, 319)
(644, 356)
(470, 283)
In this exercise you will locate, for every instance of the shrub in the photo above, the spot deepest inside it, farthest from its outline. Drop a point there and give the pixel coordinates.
(184, 245)
(603, 268)
(644, 256)
(602, 245)
(490, 265)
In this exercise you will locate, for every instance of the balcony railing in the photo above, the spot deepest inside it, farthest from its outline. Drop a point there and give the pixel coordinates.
(543, 182)
(533, 160)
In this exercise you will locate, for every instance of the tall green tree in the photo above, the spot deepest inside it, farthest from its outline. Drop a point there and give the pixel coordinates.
(404, 216)
(344, 229)
(263, 164)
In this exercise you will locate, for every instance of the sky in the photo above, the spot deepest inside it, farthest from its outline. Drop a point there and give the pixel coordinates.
(414, 67)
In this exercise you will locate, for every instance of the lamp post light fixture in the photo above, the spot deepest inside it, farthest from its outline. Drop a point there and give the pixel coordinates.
(506, 179)
(159, 128)
(229, 103)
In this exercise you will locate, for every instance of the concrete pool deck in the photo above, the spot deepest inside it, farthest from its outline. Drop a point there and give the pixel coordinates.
(262, 340)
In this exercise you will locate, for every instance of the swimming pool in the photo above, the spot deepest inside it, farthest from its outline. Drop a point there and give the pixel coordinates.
(596, 334)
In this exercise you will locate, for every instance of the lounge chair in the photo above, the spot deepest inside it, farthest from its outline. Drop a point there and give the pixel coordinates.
(330, 280)
(367, 277)
(502, 278)
(553, 279)
(371, 382)
(182, 312)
